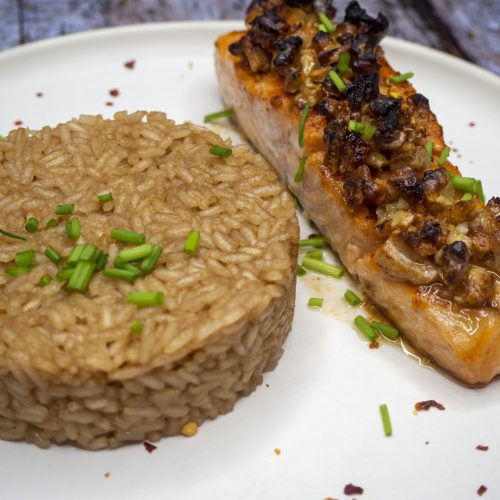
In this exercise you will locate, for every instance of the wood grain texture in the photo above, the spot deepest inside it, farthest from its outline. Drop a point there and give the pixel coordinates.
(465, 28)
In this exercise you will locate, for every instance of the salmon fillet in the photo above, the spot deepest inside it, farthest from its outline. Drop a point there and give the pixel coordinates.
(416, 235)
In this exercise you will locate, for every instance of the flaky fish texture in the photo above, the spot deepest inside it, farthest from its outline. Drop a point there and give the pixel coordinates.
(377, 181)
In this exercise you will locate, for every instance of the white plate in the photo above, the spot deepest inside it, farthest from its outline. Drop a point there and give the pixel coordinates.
(320, 406)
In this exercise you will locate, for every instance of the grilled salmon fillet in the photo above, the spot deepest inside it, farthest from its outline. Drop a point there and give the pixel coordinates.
(377, 182)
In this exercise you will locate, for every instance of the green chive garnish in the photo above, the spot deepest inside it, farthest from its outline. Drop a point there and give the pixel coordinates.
(368, 132)
(467, 197)
(25, 258)
(219, 114)
(429, 145)
(315, 302)
(103, 198)
(64, 275)
(73, 228)
(136, 326)
(321, 27)
(128, 236)
(31, 225)
(65, 209)
(300, 170)
(17, 271)
(221, 151)
(401, 78)
(386, 420)
(146, 299)
(119, 274)
(74, 256)
(323, 267)
(351, 298)
(464, 183)
(135, 253)
(302, 125)
(387, 330)
(81, 276)
(13, 235)
(317, 242)
(44, 281)
(478, 189)
(51, 223)
(343, 63)
(300, 270)
(89, 253)
(132, 269)
(102, 261)
(315, 254)
(337, 81)
(325, 21)
(191, 244)
(149, 263)
(365, 328)
(444, 156)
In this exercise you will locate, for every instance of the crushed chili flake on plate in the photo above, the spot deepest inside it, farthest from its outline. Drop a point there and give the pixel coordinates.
(374, 345)
(351, 489)
(149, 447)
(482, 447)
(18, 123)
(130, 64)
(426, 405)
(114, 92)
(481, 490)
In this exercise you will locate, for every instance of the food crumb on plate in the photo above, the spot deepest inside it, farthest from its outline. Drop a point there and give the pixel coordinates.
(472, 124)
(107, 474)
(427, 442)
(129, 64)
(351, 489)
(39, 94)
(374, 345)
(426, 405)
(481, 490)
(277, 451)
(482, 447)
(109, 103)
(190, 65)
(150, 447)
(114, 92)
(189, 429)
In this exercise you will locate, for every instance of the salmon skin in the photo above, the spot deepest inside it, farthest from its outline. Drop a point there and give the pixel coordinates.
(377, 183)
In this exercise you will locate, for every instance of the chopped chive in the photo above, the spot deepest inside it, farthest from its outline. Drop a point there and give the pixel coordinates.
(316, 242)
(73, 228)
(25, 258)
(325, 21)
(478, 189)
(131, 269)
(302, 125)
(343, 63)
(136, 326)
(315, 302)
(51, 223)
(135, 253)
(337, 81)
(89, 253)
(31, 225)
(359, 128)
(368, 132)
(128, 236)
(103, 198)
(444, 156)
(149, 263)
(219, 114)
(322, 27)
(351, 126)
(191, 244)
(300, 270)
(74, 256)
(467, 197)
(365, 328)
(386, 419)
(65, 209)
(44, 281)
(323, 267)
(388, 331)
(64, 275)
(401, 78)
(80, 279)
(102, 261)
(464, 183)
(13, 235)
(351, 298)
(315, 254)
(429, 145)
(221, 151)
(146, 299)
(299, 174)
(17, 271)
(119, 274)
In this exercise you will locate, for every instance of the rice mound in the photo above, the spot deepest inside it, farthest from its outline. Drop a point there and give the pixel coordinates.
(71, 369)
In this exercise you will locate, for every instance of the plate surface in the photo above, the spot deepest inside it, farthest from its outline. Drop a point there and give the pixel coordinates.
(319, 408)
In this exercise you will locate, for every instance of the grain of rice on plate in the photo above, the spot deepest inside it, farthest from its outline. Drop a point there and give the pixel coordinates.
(71, 368)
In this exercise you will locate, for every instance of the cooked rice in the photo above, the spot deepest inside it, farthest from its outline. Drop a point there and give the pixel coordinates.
(71, 370)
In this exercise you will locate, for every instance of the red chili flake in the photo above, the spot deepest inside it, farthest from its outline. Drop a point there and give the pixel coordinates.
(109, 103)
(482, 447)
(481, 490)
(18, 123)
(431, 403)
(472, 124)
(130, 64)
(350, 489)
(114, 92)
(39, 94)
(374, 344)
(149, 447)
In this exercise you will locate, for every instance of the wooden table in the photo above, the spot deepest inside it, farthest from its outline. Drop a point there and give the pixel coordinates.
(469, 29)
